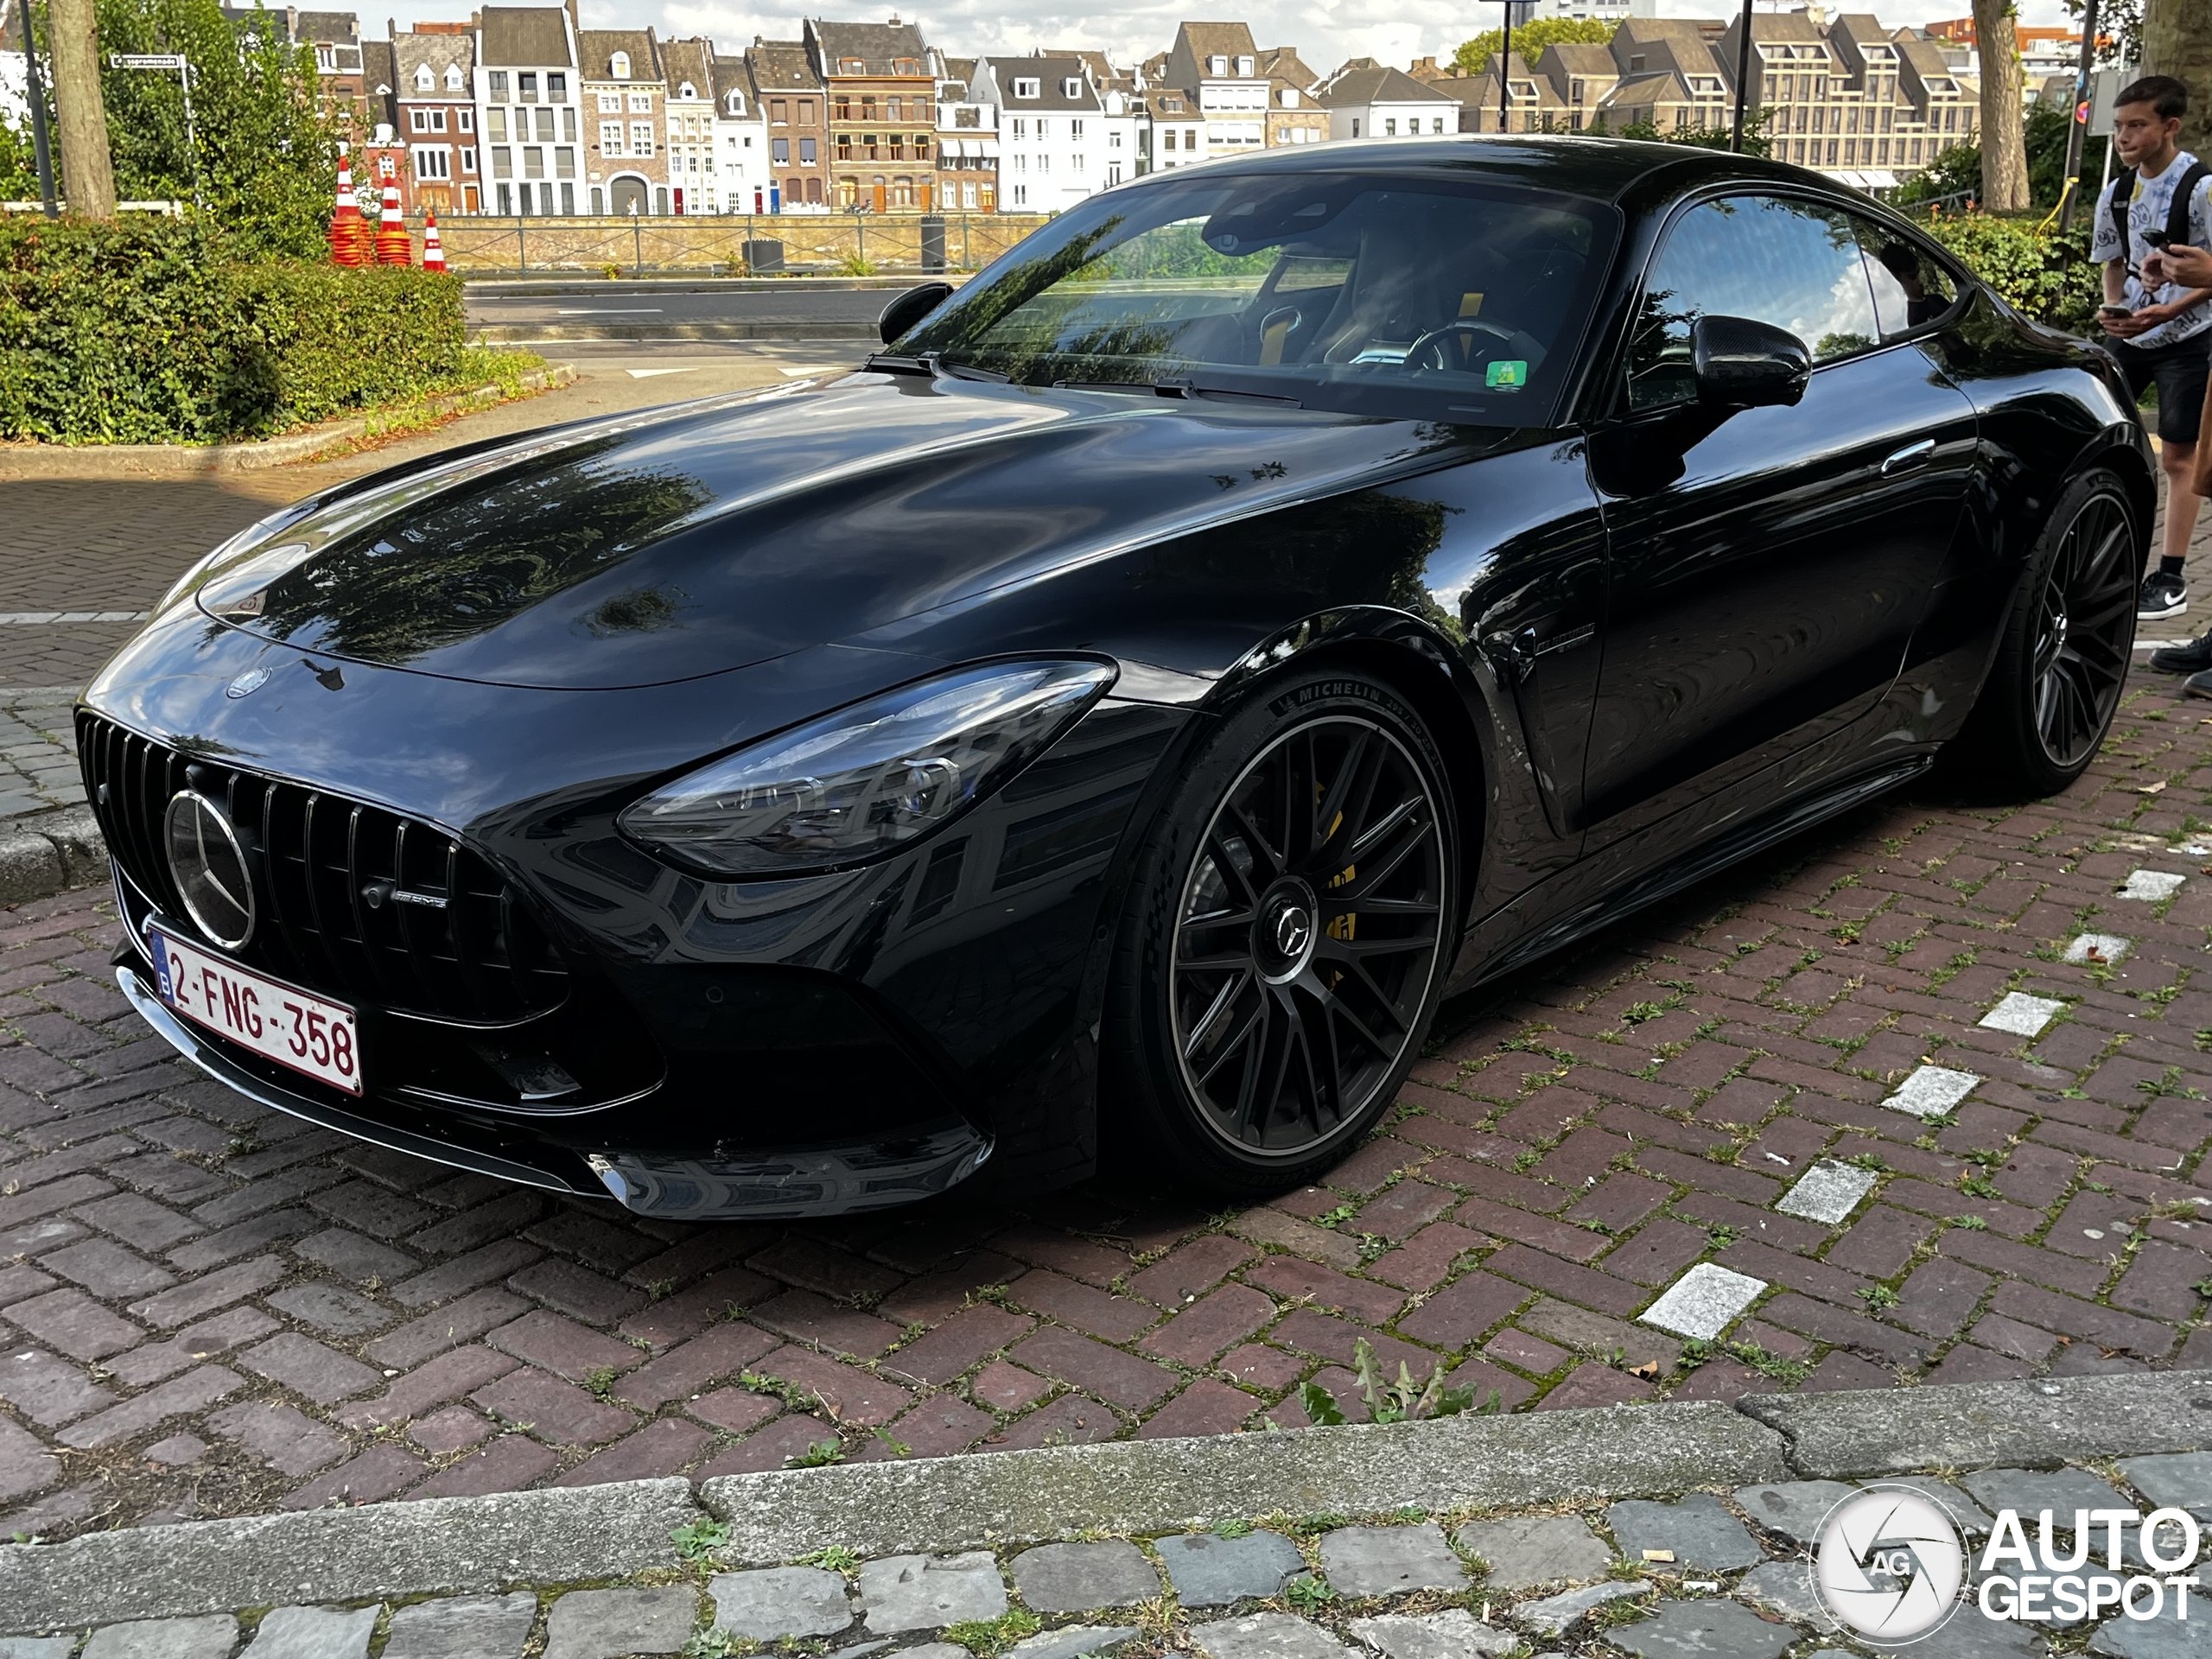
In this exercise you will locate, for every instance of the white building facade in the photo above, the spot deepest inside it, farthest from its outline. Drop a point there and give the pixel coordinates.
(527, 110)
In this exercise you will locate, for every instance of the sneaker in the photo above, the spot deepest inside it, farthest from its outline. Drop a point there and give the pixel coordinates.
(2198, 685)
(2192, 658)
(2163, 596)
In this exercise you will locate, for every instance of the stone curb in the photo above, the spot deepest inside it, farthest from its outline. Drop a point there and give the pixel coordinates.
(26, 461)
(45, 852)
(566, 1535)
(438, 1544)
(1139, 1486)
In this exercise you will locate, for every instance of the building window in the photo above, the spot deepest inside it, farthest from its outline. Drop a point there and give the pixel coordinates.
(1390, 128)
(418, 120)
(545, 125)
(467, 161)
(641, 102)
(503, 166)
(424, 80)
(1071, 87)
(465, 120)
(533, 162)
(526, 86)
(498, 78)
(687, 91)
(610, 138)
(921, 147)
(844, 146)
(806, 152)
(453, 78)
(1216, 65)
(557, 87)
(779, 113)
(433, 162)
(779, 151)
(619, 65)
(806, 111)
(1028, 86)
(497, 128)
(610, 103)
(641, 138)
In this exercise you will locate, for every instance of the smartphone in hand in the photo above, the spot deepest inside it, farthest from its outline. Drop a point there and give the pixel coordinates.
(2115, 311)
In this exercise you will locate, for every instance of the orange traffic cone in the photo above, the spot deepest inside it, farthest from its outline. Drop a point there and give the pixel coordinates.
(392, 246)
(434, 256)
(349, 231)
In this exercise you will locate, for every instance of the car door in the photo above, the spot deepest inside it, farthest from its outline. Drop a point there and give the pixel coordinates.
(1766, 566)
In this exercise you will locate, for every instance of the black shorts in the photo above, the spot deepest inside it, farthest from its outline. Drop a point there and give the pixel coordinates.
(2180, 371)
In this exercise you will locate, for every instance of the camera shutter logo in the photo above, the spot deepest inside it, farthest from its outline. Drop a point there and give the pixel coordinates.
(1890, 1565)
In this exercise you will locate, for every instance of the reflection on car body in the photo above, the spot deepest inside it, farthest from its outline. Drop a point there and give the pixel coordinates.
(1275, 595)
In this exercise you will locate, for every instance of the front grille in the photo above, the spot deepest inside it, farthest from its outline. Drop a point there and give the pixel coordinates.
(317, 858)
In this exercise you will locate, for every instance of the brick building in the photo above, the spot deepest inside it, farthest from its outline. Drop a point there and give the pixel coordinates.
(434, 114)
(881, 82)
(796, 106)
(623, 103)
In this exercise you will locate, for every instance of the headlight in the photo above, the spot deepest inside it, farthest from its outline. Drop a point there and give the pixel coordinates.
(865, 781)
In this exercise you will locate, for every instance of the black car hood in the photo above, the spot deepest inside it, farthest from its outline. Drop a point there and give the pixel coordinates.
(706, 536)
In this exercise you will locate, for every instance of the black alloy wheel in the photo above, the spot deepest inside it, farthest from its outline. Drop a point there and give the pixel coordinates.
(1293, 933)
(2085, 629)
(2063, 654)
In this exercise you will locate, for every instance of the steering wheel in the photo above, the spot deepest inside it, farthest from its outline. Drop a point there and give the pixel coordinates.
(1435, 337)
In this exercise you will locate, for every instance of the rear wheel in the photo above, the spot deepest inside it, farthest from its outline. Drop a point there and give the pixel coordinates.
(1285, 945)
(2063, 656)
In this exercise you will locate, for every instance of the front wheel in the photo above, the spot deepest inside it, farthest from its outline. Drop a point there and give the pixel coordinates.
(1285, 943)
(2063, 656)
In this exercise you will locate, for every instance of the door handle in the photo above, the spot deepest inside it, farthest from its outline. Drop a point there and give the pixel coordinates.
(1913, 455)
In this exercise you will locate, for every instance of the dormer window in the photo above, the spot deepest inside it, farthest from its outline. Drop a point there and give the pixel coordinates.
(1216, 65)
(851, 66)
(736, 102)
(619, 65)
(326, 58)
(1289, 96)
(687, 90)
(1245, 67)
(424, 80)
(906, 66)
(1028, 86)
(1071, 87)
(452, 77)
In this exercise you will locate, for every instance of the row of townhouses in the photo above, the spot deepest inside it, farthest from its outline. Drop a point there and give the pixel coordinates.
(520, 111)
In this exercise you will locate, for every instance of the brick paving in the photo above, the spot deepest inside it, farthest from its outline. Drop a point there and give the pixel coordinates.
(210, 1308)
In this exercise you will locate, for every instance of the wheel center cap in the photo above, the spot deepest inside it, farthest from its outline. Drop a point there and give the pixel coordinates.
(1286, 930)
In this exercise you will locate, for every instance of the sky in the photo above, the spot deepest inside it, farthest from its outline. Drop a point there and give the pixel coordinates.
(1326, 32)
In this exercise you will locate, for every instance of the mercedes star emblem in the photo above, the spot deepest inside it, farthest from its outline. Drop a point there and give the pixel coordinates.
(208, 864)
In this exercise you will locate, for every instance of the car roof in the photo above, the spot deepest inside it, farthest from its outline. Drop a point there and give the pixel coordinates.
(1604, 170)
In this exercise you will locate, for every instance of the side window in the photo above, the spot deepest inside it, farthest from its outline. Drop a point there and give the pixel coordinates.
(1911, 289)
(1771, 258)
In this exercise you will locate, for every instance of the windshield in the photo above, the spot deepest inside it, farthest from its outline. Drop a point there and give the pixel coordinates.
(1412, 297)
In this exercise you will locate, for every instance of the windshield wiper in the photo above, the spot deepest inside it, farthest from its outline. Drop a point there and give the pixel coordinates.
(893, 363)
(1177, 386)
(970, 370)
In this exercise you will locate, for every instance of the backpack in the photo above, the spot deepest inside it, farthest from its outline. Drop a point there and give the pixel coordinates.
(2177, 210)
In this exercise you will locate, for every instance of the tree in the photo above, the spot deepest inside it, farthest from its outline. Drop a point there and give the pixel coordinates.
(265, 164)
(2177, 41)
(2004, 151)
(1530, 40)
(87, 171)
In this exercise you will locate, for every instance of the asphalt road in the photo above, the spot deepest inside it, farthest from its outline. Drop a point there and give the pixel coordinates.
(642, 311)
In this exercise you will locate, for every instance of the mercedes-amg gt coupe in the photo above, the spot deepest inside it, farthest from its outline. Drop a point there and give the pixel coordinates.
(1276, 593)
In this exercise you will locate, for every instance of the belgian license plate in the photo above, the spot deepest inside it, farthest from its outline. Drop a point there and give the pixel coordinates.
(290, 1026)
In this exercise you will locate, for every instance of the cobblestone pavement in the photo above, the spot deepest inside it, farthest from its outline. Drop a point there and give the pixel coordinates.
(1919, 1097)
(1725, 1575)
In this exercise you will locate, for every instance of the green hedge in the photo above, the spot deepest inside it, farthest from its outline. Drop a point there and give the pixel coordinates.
(142, 331)
(2045, 273)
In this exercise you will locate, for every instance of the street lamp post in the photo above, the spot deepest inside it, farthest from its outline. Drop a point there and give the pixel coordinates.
(1505, 74)
(167, 61)
(2077, 129)
(41, 145)
(1743, 77)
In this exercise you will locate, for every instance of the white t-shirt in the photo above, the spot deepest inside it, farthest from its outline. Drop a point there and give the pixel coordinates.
(2149, 204)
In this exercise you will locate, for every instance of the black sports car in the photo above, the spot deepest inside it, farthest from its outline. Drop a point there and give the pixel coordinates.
(1275, 595)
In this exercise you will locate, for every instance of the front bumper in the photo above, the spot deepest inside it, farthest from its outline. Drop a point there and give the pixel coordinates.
(817, 1181)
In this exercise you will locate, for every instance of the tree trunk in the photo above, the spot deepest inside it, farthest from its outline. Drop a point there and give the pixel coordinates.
(2177, 41)
(88, 172)
(2004, 144)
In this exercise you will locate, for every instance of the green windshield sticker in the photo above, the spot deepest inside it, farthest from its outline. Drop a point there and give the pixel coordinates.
(1511, 373)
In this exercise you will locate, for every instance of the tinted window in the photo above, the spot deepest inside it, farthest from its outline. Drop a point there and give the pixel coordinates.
(1416, 297)
(1911, 289)
(1771, 258)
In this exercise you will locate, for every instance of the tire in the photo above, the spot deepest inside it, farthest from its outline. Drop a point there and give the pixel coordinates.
(1267, 994)
(2063, 654)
